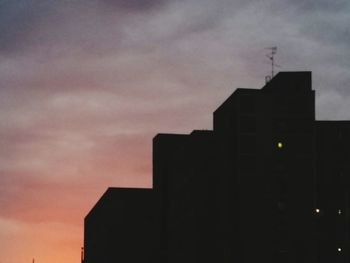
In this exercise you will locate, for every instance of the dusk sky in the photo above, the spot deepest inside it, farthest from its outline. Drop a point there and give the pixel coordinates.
(86, 84)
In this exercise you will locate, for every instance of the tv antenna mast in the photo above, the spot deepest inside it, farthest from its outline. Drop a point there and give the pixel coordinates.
(271, 57)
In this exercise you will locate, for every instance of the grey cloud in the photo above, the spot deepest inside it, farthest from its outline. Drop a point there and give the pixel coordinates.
(134, 5)
(325, 21)
(44, 24)
(312, 6)
(175, 64)
(19, 19)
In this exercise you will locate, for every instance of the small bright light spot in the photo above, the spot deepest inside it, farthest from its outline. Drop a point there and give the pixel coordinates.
(339, 249)
(280, 145)
(339, 211)
(317, 210)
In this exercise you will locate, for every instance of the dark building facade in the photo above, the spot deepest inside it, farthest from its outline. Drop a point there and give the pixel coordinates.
(123, 227)
(268, 184)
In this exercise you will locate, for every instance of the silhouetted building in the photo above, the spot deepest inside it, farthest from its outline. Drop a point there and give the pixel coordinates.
(123, 227)
(268, 184)
(332, 184)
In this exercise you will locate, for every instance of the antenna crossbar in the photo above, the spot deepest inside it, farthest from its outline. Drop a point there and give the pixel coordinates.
(271, 57)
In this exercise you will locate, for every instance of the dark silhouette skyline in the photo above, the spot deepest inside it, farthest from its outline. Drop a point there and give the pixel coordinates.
(267, 184)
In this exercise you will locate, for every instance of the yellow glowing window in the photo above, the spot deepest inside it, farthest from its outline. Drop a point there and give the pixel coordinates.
(280, 145)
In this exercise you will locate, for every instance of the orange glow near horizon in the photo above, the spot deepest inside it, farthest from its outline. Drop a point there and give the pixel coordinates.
(46, 242)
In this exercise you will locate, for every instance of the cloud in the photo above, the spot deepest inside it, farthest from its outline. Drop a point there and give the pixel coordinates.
(85, 85)
(133, 5)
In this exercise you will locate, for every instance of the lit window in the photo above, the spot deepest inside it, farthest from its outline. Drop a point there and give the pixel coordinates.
(280, 145)
(317, 210)
(339, 211)
(339, 249)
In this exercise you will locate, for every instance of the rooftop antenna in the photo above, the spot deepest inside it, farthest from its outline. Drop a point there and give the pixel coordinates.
(271, 57)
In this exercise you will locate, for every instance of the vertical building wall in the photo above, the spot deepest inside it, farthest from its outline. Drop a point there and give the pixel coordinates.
(123, 227)
(164, 164)
(231, 141)
(333, 160)
(272, 187)
(286, 131)
(185, 164)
